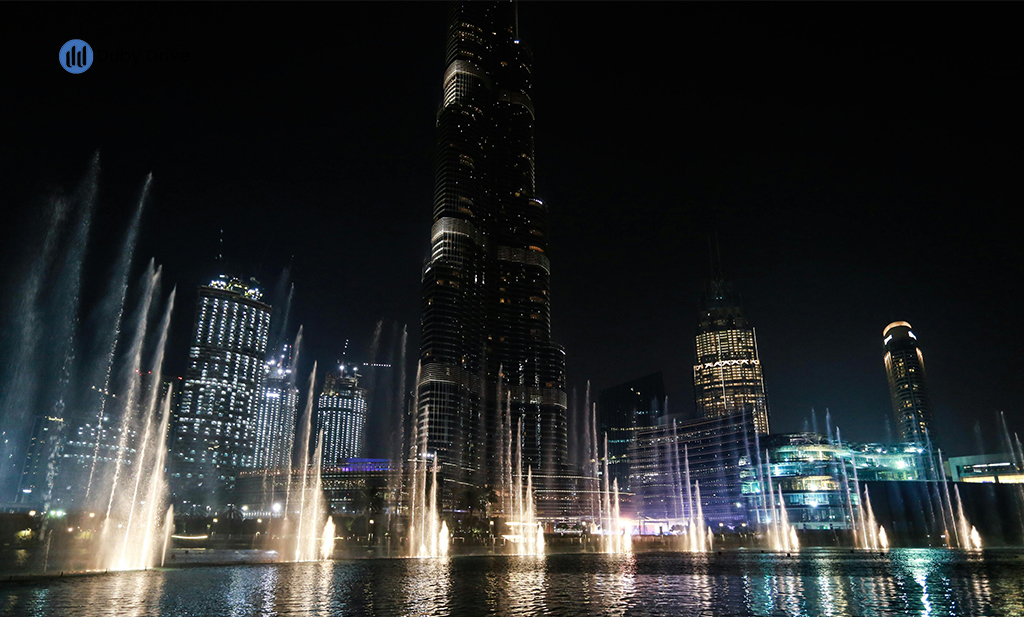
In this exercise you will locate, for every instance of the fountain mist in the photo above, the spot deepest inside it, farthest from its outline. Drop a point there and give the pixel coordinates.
(314, 538)
(428, 534)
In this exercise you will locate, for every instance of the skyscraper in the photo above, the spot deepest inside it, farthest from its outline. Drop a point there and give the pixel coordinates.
(904, 366)
(214, 431)
(275, 421)
(727, 376)
(621, 411)
(341, 415)
(486, 325)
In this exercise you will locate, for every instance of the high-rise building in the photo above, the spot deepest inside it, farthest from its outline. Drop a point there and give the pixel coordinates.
(727, 375)
(623, 409)
(275, 422)
(904, 366)
(214, 430)
(672, 460)
(486, 325)
(341, 416)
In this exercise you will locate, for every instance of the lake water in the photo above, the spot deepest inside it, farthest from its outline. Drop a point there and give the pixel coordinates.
(822, 582)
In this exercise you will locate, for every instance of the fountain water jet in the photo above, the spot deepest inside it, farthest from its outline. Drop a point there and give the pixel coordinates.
(118, 293)
(616, 536)
(781, 534)
(527, 533)
(428, 534)
(311, 540)
(136, 522)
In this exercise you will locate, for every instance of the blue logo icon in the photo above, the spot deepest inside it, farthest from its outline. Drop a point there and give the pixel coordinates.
(76, 56)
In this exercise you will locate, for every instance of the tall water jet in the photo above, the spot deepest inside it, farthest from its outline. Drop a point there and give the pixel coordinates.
(428, 536)
(396, 442)
(616, 536)
(39, 366)
(129, 400)
(781, 534)
(873, 536)
(135, 527)
(969, 537)
(786, 534)
(135, 535)
(691, 510)
(428, 533)
(309, 541)
(867, 533)
(525, 533)
(697, 540)
(289, 468)
(529, 536)
(115, 305)
(327, 540)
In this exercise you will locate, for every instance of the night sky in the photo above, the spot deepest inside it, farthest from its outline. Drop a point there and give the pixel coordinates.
(859, 165)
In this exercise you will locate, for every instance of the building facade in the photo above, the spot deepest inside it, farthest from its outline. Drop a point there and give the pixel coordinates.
(214, 429)
(341, 417)
(670, 462)
(821, 479)
(986, 469)
(487, 361)
(621, 411)
(727, 374)
(275, 420)
(908, 388)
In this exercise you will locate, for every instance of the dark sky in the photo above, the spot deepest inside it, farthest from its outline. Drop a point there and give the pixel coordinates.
(859, 166)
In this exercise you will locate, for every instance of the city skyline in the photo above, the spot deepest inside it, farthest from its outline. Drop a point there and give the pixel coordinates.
(848, 290)
(251, 363)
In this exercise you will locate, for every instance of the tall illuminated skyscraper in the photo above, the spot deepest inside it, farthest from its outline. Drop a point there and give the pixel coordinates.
(341, 415)
(727, 375)
(214, 430)
(486, 285)
(904, 366)
(275, 422)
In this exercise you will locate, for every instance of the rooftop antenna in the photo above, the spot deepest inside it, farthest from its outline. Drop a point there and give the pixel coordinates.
(515, 6)
(715, 256)
(718, 255)
(220, 249)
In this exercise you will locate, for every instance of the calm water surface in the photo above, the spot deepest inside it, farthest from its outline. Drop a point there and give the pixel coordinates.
(902, 582)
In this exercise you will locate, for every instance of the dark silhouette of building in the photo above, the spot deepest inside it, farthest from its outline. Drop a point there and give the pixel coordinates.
(715, 450)
(904, 366)
(727, 375)
(486, 323)
(214, 431)
(623, 409)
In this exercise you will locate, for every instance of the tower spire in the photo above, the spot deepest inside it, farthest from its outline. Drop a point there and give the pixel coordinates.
(515, 5)
(715, 256)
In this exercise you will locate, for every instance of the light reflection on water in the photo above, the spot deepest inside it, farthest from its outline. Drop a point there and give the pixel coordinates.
(901, 582)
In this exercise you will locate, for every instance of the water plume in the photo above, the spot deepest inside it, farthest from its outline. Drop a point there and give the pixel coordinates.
(115, 305)
(428, 533)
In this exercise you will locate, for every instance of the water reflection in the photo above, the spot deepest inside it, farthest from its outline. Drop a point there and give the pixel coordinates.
(831, 583)
(426, 586)
(617, 586)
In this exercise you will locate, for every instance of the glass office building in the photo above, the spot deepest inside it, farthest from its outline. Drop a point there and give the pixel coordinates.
(214, 430)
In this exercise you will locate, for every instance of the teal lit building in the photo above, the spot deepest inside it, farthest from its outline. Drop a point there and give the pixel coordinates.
(819, 478)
